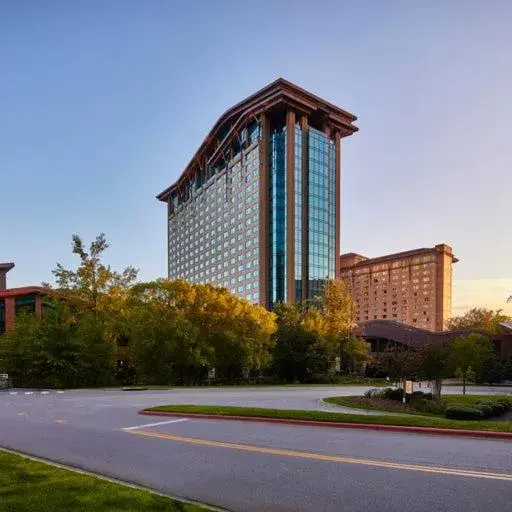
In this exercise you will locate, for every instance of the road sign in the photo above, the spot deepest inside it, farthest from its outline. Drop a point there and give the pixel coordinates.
(211, 373)
(408, 387)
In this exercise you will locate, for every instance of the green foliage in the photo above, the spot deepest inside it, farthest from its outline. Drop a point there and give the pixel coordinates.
(93, 284)
(398, 363)
(486, 408)
(482, 319)
(463, 412)
(57, 351)
(396, 394)
(492, 371)
(432, 365)
(179, 330)
(299, 349)
(337, 308)
(468, 355)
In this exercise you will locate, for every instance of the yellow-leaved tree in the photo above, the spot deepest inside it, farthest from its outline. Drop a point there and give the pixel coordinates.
(338, 310)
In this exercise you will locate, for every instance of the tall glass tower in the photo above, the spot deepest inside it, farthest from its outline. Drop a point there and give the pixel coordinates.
(257, 210)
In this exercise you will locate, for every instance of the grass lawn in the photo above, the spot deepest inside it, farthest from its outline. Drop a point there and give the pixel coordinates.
(380, 404)
(29, 486)
(410, 420)
(374, 404)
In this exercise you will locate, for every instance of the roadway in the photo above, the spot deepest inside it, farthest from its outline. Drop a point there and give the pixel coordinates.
(253, 466)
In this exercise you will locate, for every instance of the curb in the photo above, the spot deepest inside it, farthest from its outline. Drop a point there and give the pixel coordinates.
(486, 434)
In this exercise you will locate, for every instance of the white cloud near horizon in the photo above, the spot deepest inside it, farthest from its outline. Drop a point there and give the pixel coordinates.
(489, 293)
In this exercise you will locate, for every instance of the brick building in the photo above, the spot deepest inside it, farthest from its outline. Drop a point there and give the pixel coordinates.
(412, 287)
(15, 300)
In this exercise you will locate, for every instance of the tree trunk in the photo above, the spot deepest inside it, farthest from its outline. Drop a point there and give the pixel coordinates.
(464, 384)
(437, 390)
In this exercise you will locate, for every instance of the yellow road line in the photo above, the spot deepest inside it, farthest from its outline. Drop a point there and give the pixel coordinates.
(326, 458)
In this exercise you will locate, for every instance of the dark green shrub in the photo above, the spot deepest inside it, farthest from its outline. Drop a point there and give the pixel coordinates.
(435, 407)
(486, 408)
(507, 402)
(498, 408)
(394, 394)
(428, 406)
(462, 412)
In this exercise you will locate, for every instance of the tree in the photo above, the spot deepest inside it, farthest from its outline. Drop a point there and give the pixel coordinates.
(398, 363)
(338, 308)
(299, 350)
(468, 355)
(56, 350)
(482, 319)
(433, 366)
(493, 371)
(93, 285)
(200, 326)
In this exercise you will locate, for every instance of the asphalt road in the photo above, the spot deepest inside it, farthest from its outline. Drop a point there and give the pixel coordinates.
(258, 467)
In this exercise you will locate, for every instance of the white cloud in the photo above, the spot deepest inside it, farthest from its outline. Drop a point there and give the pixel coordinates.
(489, 293)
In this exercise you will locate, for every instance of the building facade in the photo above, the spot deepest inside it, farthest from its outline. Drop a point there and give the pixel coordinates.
(412, 287)
(257, 208)
(15, 300)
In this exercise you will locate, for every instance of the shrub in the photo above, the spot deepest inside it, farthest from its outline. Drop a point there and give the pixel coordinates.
(506, 401)
(429, 406)
(486, 408)
(462, 412)
(375, 393)
(394, 394)
(498, 408)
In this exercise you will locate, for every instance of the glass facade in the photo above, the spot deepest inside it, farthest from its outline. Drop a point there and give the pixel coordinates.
(277, 215)
(25, 304)
(214, 223)
(298, 213)
(321, 211)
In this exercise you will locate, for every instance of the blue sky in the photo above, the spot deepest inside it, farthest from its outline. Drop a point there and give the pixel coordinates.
(102, 104)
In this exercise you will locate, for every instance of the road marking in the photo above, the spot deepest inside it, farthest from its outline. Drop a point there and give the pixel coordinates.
(45, 392)
(13, 392)
(29, 392)
(327, 458)
(154, 424)
(60, 392)
(22, 414)
(61, 421)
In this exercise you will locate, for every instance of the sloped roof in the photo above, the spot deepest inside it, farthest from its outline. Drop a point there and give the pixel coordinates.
(279, 91)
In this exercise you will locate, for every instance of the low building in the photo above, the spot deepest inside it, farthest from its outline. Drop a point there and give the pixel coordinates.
(15, 300)
(412, 287)
(385, 334)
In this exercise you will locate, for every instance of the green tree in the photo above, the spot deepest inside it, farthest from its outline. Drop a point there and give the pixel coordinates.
(57, 351)
(492, 371)
(482, 319)
(432, 364)
(468, 355)
(398, 363)
(338, 308)
(300, 350)
(222, 330)
(94, 286)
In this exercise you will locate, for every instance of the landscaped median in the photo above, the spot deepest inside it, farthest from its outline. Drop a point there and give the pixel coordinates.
(32, 485)
(418, 424)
